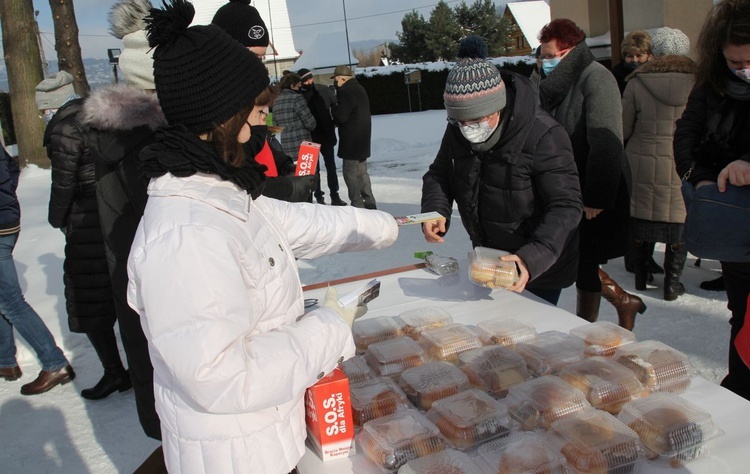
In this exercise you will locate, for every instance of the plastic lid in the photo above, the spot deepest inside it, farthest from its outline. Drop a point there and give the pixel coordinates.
(414, 321)
(505, 332)
(486, 269)
(470, 418)
(657, 366)
(550, 351)
(595, 441)
(392, 356)
(372, 330)
(432, 381)
(376, 398)
(523, 452)
(357, 370)
(494, 369)
(449, 461)
(446, 342)
(670, 426)
(392, 441)
(602, 338)
(538, 402)
(607, 384)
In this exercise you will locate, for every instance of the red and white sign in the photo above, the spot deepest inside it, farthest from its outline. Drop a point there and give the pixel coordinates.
(328, 414)
(307, 159)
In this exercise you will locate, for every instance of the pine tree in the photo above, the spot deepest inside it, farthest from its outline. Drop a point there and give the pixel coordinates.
(411, 46)
(66, 44)
(443, 35)
(481, 19)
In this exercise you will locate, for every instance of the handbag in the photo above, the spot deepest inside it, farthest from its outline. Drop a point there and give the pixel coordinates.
(742, 341)
(718, 224)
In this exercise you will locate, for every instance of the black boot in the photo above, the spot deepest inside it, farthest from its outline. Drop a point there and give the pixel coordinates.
(674, 262)
(115, 376)
(716, 284)
(640, 257)
(587, 304)
(653, 267)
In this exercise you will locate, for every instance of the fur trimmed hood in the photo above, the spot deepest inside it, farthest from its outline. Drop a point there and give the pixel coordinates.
(121, 108)
(128, 16)
(680, 64)
(668, 79)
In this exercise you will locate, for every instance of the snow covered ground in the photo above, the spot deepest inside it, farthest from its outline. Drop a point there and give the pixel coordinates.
(60, 432)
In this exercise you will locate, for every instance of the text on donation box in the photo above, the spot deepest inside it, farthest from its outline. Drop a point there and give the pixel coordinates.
(307, 159)
(328, 414)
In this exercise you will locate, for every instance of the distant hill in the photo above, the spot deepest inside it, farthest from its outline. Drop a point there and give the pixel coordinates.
(98, 72)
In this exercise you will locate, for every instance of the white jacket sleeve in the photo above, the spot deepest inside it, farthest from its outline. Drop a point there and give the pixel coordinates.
(314, 230)
(191, 289)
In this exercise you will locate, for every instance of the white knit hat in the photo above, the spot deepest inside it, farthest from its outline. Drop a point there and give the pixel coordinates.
(54, 92)
(668, 41)
(137, 62)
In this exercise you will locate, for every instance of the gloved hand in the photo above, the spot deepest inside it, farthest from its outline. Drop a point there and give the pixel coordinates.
(302, 188)
(347, 313)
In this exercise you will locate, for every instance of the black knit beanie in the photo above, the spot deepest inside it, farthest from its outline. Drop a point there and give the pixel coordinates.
(203, 77)
(242, 22)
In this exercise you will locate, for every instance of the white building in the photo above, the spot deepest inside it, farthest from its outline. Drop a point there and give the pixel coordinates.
(281, 52)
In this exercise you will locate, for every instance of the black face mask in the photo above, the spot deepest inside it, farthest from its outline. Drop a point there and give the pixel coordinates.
(631, 66)
(258, 135)
(304, 88)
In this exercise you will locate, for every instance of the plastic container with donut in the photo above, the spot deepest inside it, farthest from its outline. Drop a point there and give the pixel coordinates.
(357, 370)
(393, 356)
(505, 332)
(550, 351)
(376, 398)
(671, 429)
(606, 384)
(494, 369)
(595, 442)
(372, 330)
(521, 452)
(447, 342)
(537, 403)
(603, 338)
(392, 441)
(414, 321)
(432, 381)
(448, 461)
(486, 269)
(659, 368)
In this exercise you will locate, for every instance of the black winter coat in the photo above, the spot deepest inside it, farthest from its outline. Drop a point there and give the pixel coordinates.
(120, 121)
(712, 132)
(10, 210)
(325, 130)
(73, 208)
(522, 196)
(352, 115)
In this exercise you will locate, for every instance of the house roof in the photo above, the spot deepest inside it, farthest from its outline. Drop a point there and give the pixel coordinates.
(327, 51)
(274, 14)
(531, 18)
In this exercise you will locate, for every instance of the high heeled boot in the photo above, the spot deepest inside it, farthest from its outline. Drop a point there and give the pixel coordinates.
(587, 304)
(674, 262)
(627, 305)
(640, 256)
(115, 376)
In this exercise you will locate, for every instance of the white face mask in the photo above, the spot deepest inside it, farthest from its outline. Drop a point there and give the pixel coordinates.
(478, 134)
(743, 74)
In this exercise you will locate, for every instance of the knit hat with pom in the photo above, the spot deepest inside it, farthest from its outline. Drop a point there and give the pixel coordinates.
(54, 92)
(667, 41)
(242, 22)
(203, 77)
(127, 20)
(474, 88)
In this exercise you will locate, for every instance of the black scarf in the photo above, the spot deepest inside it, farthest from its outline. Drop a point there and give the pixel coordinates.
(555, 87)
(182, 153)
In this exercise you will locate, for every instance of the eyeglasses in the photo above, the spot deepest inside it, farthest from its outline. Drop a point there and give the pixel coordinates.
(552, 56)
(470, 124)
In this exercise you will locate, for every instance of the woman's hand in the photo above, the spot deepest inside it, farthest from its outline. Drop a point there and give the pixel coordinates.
(590, 212)
(523, 278)
(431, 230)
(736, 172)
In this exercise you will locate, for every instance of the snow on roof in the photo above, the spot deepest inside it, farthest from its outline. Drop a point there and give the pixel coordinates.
(327, 51)
(531, 18)
(437, 65)
(276, 19)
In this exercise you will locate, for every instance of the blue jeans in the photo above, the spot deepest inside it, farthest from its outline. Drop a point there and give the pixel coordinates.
(16, 313)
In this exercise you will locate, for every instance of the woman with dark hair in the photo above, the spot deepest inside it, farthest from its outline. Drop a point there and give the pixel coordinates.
(291, 113)
(712, 144)
(583, 96)
(212, 270)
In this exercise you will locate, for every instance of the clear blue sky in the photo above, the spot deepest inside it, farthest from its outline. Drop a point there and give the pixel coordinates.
(367, 19)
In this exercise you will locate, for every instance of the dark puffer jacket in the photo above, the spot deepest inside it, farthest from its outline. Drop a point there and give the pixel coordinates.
(120, 121)
(10, 210)
(522, 196)
(352, 115)
(73, 208)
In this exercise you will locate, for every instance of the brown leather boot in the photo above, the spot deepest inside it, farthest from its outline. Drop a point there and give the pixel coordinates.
(587, 304)
(10, 373)
(627, 305)
(48, 380)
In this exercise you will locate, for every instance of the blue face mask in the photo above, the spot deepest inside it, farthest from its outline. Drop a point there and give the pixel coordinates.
(549, 65)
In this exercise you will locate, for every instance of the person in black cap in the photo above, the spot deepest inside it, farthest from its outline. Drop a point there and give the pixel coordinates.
(212, 269)
(242, 22)
(319, 100)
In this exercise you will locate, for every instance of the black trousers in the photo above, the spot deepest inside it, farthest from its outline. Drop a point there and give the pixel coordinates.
(737, 282)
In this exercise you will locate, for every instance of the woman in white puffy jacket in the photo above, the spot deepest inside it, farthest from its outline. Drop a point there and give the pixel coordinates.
(212, 267)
